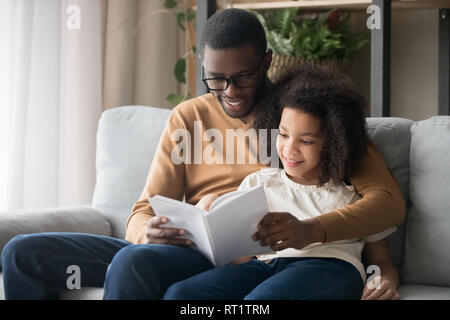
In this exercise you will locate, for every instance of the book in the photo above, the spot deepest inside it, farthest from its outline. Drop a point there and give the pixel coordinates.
(222, 234)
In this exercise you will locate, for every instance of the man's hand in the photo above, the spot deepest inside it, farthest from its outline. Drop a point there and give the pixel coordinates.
(281, 230)
(156, 234)
(385, 291)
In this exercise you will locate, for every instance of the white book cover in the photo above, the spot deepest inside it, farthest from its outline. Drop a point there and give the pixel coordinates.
(222, 234)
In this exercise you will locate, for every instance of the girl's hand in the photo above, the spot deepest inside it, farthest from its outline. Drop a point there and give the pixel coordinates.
(385, 291)
(206, 201)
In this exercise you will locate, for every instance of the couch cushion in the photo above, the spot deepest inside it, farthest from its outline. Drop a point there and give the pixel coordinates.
(126, 141)
(413, 292)
(407, 292)
(87, 293)
(2, 291)
(427, 255)
(82, 294)
(125, 148)
(82, 219)
(392, 137)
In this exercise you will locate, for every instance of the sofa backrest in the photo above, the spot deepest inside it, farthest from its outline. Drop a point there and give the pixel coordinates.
(427, 252)
(392, 137)
(126, 141)
(128, 136)
(417, 154)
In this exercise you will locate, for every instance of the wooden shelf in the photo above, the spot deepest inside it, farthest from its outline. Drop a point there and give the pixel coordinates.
(327, 4)
(380, 40)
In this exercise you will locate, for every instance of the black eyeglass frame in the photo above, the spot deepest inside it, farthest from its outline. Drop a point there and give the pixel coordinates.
(232, 79)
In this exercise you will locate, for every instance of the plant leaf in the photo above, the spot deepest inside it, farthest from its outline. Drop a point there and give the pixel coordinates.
(169, 4)
(285, 22)
(180, 20)
(180, 69)
(175, 98)
(311, 39)
(190, 15)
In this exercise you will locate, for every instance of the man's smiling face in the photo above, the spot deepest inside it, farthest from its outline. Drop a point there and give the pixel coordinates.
(236, 62)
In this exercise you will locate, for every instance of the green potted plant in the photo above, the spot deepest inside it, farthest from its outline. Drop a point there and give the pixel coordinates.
(184, 15)
(297, 37)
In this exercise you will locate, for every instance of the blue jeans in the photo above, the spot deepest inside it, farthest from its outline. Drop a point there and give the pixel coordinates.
(35, 266)
(280, 279)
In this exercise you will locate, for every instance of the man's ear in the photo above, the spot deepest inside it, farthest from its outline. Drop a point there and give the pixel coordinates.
(268, 60)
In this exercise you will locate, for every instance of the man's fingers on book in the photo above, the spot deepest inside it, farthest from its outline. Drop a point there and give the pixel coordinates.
(165, 232)
(154, 222)
(180, 242)
(171, 232)
(171, 241)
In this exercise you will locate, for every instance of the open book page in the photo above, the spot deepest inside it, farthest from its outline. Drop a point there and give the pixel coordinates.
(232, 225)
(224, 199)
(186, 216)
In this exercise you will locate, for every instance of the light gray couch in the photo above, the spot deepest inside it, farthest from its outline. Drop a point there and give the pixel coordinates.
(418, 154)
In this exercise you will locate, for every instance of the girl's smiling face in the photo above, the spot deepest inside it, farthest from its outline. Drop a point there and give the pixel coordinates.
(298, 145)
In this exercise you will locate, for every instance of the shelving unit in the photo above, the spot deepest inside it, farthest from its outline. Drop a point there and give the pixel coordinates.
(380, 40)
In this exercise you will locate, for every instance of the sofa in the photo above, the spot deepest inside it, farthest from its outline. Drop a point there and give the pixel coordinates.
(417, 153)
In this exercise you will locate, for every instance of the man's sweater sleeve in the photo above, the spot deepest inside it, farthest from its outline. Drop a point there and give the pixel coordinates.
(164, 178)
(381, 206)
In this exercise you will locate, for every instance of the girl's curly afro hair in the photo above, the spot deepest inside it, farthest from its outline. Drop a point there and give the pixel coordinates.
(330, 96)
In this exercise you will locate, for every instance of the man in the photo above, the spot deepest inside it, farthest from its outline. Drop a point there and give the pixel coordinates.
(153, 257)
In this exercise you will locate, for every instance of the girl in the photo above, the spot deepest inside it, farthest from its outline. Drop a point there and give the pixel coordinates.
(321, 139)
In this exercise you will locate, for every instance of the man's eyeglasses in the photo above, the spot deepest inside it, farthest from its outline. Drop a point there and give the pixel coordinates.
(240, 81)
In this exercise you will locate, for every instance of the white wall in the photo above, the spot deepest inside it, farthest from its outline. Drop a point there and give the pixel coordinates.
(158, 48)
(414, 63)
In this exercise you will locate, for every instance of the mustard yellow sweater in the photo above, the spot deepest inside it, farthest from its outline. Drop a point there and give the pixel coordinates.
(381, 206)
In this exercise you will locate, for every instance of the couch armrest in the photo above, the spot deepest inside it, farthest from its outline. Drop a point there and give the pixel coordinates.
(82, 219)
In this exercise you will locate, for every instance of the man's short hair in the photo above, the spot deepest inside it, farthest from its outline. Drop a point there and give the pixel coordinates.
(233, 28)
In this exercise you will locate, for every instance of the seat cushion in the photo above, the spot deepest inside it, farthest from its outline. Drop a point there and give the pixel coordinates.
(2, 290)
(80, 219)
(81, 294)
(427, 255)
(416, 292)
(407, 292)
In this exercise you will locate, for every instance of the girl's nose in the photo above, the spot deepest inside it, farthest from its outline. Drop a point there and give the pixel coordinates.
(291, 148)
